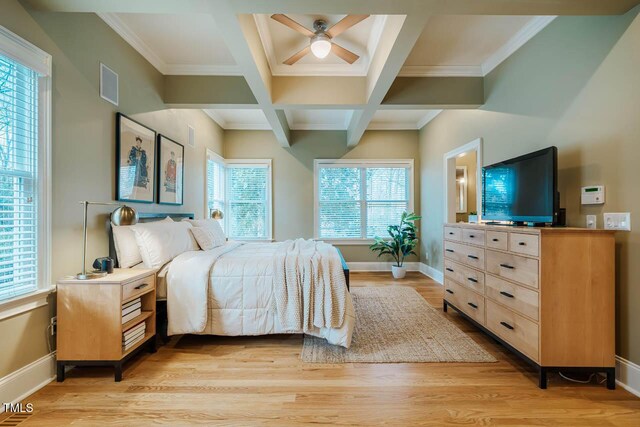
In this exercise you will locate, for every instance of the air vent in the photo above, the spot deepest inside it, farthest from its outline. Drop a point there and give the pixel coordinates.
(192, 137)
(14, 420)
(108, 84)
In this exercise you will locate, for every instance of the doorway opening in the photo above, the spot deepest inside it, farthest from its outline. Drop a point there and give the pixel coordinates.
(463, 183)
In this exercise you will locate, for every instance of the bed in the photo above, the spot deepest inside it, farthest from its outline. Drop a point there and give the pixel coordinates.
(241, 298)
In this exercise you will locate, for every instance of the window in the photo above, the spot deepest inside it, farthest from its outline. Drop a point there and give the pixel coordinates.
(24, 165)
(359, 199)
(242, 190)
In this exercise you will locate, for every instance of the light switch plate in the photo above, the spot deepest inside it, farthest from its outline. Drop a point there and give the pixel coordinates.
(617, 221)
(592, 222)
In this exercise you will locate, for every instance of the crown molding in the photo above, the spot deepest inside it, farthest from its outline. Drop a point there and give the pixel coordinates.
(317, 126)
(118, 25)
(526, 33)
(441, 71)
(216, 118)
(392, 126)
(202, 70)
(227, 125)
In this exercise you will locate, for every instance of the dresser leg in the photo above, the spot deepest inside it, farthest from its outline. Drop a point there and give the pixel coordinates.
(60, 372)
(542, 378)
(611, 378)
(117, 368)
(444, 306)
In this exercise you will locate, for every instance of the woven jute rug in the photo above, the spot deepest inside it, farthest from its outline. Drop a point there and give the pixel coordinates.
(395, 325)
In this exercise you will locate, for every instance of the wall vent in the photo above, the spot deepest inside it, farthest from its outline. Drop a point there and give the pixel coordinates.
(108, 84)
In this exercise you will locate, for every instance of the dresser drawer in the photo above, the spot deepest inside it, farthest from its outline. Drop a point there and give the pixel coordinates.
(138, 287)
(466, 300)
(473, 279)
(453, 233)
(526, 244)
(519, 299)
(513, 267)
(465, 254)
(497, 240)
(518, 331)
(473, 237)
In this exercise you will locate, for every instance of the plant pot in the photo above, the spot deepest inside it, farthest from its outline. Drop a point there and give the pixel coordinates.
(473, 219)
(398, 272)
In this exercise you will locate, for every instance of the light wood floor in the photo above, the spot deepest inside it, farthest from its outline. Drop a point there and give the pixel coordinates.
(261, 381)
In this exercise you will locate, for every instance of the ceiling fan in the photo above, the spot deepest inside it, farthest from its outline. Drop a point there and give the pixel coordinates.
(320, 43)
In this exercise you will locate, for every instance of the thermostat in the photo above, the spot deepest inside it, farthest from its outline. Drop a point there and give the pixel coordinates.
(592, 195)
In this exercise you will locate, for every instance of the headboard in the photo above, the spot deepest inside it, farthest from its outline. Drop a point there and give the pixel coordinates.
(144, 217)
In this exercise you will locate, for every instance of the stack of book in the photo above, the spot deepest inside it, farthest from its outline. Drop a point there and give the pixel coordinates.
(131, 309)
(133, 335)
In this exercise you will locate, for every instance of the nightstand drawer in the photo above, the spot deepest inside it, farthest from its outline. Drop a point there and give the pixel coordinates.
(138, 287)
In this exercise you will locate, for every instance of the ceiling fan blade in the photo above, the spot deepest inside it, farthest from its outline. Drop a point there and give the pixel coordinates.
(297, 56)
(343, 53)
(285, 20)
(344, 24)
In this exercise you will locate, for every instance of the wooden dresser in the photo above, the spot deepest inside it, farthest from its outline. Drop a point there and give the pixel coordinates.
(545, 293)
(91, 323)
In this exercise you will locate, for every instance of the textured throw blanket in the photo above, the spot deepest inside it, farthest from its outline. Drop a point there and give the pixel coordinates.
(187, 290)
(309, 286)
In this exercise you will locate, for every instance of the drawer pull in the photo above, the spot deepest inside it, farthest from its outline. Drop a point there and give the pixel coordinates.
(472, 305)
(506, 325)
(472, 236)
(142, 286)
(471, 279)
(522, 243)
(449, 250)
(472, 256)
(506, 294)
(450, 291)
(449, 269)
(510, 267)
(451, 233)
(495, 240)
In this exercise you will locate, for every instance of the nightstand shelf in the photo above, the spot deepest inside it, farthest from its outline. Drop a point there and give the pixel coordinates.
(90, 328)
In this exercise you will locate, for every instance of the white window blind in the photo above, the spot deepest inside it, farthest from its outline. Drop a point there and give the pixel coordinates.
(18, 179)
(360, 199)
(215, 183)
(248, 192)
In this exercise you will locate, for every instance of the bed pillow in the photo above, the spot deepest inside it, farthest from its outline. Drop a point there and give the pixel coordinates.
(126, 246)
(160, 242)
(213, 225)
(206, 238)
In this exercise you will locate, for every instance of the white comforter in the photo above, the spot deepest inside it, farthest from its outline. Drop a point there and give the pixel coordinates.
(230, 291)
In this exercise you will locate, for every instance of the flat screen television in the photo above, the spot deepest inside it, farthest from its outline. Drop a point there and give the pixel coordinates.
(522, 189)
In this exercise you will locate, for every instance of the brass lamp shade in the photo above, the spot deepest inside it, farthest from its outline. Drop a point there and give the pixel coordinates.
(124, 215)
(217, 214)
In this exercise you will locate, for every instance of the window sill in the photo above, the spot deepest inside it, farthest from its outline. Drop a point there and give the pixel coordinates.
(24, 303)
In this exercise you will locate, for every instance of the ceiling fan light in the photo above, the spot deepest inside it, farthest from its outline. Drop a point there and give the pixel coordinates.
(320, 45)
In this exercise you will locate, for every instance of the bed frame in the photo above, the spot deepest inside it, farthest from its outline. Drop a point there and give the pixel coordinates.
(161, 305)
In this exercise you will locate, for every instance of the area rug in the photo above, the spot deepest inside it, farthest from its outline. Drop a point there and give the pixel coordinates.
(395, 325)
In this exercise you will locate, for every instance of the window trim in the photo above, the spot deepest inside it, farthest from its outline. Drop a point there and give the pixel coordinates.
(20, 50)
(217, 158)
(359, 163)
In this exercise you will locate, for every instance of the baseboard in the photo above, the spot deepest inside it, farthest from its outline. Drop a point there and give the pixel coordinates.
(432, 273)
(27, 380)
(380, 266)
(628, 375)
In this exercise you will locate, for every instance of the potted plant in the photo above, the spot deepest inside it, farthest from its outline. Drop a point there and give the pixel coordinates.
(473, 217)
(402, 243)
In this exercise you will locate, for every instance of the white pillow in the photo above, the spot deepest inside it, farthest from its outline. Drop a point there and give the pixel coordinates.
(126, 245)
(213, 226)
(160, 242)
(206, 238)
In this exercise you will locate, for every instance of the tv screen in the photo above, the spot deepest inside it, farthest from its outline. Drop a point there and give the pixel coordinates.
(522, 189)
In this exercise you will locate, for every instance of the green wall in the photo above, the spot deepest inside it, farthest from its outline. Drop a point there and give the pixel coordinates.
(575, 85)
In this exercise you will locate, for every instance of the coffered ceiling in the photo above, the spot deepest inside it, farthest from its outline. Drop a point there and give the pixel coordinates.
(416, 57)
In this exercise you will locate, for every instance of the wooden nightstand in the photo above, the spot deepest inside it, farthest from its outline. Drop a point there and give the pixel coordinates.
(90, 314)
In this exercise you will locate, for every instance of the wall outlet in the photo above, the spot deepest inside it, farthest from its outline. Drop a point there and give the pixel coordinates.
(617, 221)
(592, 222)
(53, 326)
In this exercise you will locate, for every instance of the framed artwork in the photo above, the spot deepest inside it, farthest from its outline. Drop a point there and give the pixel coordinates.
(170, 171)
(135, 161)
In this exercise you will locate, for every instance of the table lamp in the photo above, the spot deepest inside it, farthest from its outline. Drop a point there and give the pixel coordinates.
(122, 215)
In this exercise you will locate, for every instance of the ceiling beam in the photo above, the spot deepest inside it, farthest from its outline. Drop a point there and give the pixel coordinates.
(207, 92)
(372, 7)
(434, 93)
(243, 41)
(392, 52)
(292, 91)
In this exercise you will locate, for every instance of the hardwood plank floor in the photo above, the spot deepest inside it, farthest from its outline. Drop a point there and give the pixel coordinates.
(261, 381)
